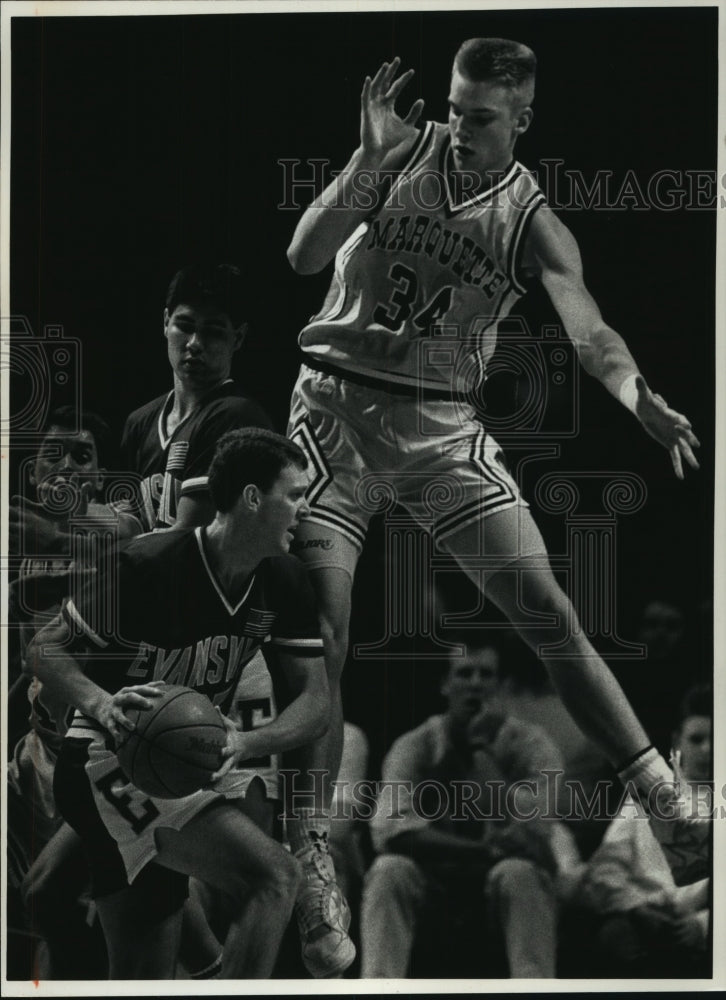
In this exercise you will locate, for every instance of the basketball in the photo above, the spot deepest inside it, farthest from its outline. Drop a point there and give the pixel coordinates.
(176, 745)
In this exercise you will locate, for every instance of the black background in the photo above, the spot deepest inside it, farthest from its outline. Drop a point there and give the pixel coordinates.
(140, 144)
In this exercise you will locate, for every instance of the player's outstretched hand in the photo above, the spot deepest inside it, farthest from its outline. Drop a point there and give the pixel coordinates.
(112, 715)
(31, 529)
(669, 428)
(42, 527)
(381, 129)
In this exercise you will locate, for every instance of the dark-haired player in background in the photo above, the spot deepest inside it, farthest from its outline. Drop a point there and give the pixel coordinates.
(193, 606)
(45, 864)
(169, 442)
(445, 247)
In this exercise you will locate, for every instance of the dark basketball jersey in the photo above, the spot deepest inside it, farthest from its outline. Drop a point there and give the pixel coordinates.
(176, 465)
(161, 614)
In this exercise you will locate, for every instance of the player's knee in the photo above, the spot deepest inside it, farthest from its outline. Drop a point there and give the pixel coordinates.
(283, 878)
(29, 893)
(37, 891)
(391, 875)
(513, 876)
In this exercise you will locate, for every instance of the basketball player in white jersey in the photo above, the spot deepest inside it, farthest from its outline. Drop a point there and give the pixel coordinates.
(433, 230)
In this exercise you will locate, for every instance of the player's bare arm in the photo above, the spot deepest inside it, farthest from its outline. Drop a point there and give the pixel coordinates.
(385, 140)
(305, 719)
(32, 528)
(50, 658)
(192, 511)
(553, 255)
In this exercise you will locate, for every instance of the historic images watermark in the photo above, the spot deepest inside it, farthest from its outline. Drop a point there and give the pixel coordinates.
(550, 795)
(665, 190)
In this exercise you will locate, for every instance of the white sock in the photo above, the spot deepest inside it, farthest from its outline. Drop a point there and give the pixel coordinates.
(309, 828)
(647, 771)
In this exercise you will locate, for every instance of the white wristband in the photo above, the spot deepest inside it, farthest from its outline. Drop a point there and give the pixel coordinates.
(629, 393)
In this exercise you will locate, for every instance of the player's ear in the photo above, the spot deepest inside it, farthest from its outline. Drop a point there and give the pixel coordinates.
(251, 496)
(166, 321)
(524, 120)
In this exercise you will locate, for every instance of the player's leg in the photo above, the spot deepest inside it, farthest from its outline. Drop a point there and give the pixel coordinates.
(208, 912)
(333, 587)
(142, 927)
(334, 422)
(225, 848)
(51, 890)
(322, 422)
(322, 912)
(200, 949)
(141, 922)
(521, 901)
(394, 892)
(526, 591)
(489, 520)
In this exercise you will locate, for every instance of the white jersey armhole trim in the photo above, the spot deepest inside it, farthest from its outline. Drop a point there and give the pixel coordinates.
(194, 485)
(75, 614)
(310, 643)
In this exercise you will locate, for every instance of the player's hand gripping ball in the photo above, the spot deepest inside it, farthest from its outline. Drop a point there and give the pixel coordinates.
(176, 746)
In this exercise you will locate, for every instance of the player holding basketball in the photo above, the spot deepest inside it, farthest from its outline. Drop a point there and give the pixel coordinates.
(450, 241)
(192, 607)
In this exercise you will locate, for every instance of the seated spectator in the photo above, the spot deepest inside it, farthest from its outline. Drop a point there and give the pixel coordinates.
(651, 927)
(459, 857)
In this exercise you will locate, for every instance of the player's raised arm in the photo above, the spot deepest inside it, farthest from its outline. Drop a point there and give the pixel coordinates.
(552, 252)
(385, 139)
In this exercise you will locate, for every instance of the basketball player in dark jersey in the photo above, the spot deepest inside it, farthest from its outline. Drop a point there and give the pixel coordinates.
(446, 246)
(232, 587)
(45, 862)
(169, 442)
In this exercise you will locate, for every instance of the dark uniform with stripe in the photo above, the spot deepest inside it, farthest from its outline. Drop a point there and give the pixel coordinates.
(170, 621)
(175, 465)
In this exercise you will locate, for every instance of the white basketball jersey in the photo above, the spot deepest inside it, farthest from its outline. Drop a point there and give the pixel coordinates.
(421, 285)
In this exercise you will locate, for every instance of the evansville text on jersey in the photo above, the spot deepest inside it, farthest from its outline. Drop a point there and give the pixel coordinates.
(212, 661)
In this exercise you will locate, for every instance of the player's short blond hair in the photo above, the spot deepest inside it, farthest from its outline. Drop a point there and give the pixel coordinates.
(510, 64)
